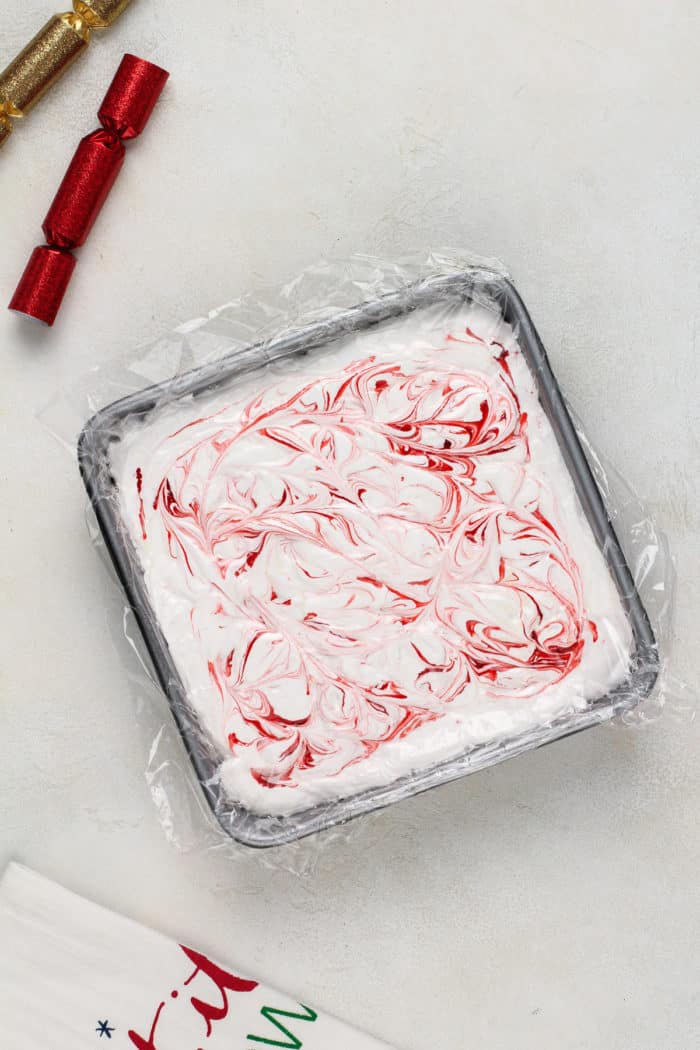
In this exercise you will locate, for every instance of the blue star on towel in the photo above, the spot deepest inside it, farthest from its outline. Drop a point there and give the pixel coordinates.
(104, 1029)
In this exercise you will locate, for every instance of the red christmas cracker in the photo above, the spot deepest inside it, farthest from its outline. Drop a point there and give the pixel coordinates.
(98, 159)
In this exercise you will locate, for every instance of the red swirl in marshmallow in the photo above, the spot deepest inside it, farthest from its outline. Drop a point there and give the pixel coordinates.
(368, 563)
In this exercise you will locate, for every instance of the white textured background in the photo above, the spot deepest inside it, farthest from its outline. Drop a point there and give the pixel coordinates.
(552, 902)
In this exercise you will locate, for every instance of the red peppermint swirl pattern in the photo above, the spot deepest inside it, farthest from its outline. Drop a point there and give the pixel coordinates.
(363, 565)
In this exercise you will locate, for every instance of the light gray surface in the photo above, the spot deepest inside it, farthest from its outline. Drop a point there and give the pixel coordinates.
(552, 902)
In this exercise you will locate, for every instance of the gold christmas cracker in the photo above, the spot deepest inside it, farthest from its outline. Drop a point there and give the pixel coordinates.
(48, 56)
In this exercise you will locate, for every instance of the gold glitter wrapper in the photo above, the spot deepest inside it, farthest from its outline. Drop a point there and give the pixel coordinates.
(41, 63)
(100, 13)
(46, 58)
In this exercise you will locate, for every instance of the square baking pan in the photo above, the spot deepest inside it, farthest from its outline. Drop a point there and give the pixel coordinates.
(462, 288)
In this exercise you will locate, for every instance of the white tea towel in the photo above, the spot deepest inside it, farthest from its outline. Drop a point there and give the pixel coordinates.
(75, 976)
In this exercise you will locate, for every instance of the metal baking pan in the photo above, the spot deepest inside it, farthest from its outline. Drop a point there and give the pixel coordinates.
(94, 459)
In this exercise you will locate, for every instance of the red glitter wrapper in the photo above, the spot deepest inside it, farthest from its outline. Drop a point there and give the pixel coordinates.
(43, 284)
(131, 97)
(86, 185)
(85, 188)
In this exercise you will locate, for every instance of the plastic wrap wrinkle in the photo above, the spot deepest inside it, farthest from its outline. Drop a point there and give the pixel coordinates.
(365, 548)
